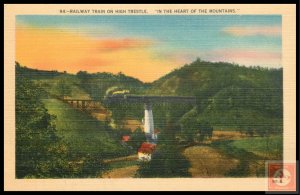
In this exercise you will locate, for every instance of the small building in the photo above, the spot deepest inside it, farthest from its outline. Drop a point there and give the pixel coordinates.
(145, 151)
(125, 138)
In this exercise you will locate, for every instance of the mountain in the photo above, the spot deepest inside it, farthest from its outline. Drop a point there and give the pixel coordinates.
(97, 84)
(81, 85)
(228, 95)
(36, 74)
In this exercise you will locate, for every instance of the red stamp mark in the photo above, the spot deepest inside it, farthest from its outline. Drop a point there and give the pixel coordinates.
(281, 176)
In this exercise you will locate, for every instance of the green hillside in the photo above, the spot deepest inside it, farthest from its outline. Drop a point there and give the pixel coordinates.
(96, 84)
(82, 85)
(55, 84)
(210, 77)
(53, 139)
(82, 133)
(35, 74)
(228, 95)
(66, 86)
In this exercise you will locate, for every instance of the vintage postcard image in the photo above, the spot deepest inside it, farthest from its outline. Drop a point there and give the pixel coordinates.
(198, 96)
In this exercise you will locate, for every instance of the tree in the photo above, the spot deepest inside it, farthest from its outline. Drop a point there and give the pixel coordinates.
(39, 152)
(137, 138)
(166, 162)
(190, 125)
(205, 130)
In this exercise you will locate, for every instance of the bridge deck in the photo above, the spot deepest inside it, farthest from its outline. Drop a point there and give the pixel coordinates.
(151, 99)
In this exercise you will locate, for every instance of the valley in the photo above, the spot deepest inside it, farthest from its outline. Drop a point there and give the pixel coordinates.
(234, 128)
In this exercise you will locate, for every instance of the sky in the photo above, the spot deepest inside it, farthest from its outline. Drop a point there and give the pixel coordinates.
(145, 46)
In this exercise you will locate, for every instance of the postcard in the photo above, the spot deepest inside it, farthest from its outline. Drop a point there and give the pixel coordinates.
(150, 97)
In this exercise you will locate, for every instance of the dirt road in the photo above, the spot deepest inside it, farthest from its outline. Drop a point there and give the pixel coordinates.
(208, 162)
(125, 172)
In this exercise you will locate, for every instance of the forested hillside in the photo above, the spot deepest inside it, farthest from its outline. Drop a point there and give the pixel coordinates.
(228, 95)
(96, 84)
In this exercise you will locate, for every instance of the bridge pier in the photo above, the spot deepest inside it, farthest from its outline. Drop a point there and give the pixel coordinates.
(148, 122)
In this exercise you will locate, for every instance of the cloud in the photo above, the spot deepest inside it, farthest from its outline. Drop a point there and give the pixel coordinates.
(117, 44)
(253, 30)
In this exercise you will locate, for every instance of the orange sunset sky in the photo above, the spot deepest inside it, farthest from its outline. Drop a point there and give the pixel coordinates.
(145, 47)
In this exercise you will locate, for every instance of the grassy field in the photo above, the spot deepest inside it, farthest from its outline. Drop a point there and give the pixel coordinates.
(83, 133)
(252, 153)
(266, 147)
